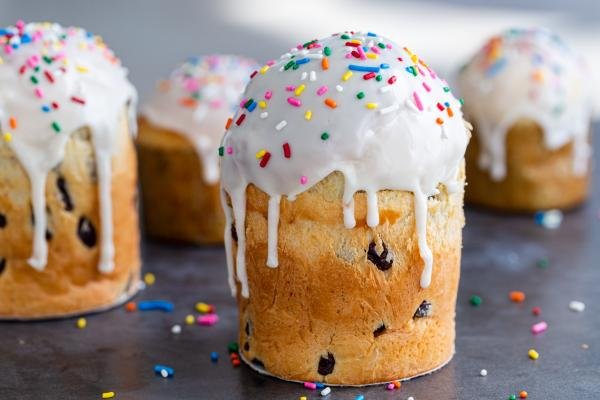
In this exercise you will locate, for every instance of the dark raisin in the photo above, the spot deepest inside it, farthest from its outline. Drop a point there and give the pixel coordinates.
(326, 365)
(258, 363)
(382, 261)
(379, 331)
(2, 264)
(61, 184)
(86, 232)
(424, 310)
(247, 329)
(234, 233)
(48, 235)
(2, 220)
(246, 346)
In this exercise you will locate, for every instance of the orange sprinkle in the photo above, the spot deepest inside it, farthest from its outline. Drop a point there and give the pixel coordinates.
(188, 102)
(516, 296)
(538, 75)
(523, 394)
(397, 384)
(450, 112)
(131, 306)
(439, 121)
(12, 122)
(229, 122)
(330, 102)
(325, 63)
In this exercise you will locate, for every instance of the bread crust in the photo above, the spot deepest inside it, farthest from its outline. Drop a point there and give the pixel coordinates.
(328, 299)
(537, 178)
(70, 283)
(178, 205)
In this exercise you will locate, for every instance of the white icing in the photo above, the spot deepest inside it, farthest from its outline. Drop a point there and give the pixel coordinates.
(528, 74)
(196, 101)
(72, 66)
(394, 143)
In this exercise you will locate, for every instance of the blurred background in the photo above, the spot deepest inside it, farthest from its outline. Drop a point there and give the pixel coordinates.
(152, 36)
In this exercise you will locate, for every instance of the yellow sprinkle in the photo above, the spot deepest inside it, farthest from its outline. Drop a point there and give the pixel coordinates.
(261, 153)
(534, 355)
(355, 41)
(308, 115)
(7, 136)
(108, 395)
(414, 58)
(372, 56)
(202, 307)
(81, 323)
(1, 61)
(82, 69)
(371, 106)
(262, 104)
(189, 319)
(149, 278)
(264, 69)
(302, 397)
(346, 75)
(82, 46)
(300, 89)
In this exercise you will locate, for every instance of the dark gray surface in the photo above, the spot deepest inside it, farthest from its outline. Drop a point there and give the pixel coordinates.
(117, 351)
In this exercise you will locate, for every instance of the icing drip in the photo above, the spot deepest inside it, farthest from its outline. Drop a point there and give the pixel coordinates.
(528, 74)
(55, 81)
(356, 103)
(199, 95)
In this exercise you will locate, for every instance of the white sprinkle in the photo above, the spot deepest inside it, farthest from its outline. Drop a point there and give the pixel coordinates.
(264, 115)
(577, 306)
(164, 373)
(281, 69)
(483, 372)
(411, 398)
(339, 88)
(303, 52)
(389, 109)
(410, 104)
(325, 391)
(176, 329)
(303, 76)
(281, 125)
(294, 50)
(317, 56)
(550, 219)
(313, 76)
(385, 89)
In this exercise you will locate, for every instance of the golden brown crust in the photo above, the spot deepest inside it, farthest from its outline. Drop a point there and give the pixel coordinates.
(326, 297)
(537, 178)
(177, 204)
(71, 282)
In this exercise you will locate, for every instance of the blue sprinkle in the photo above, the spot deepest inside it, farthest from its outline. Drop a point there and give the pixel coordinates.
(302, 61)
(447, 104)
(45, 109)
(365, 49)
(371, 34)
(384, 66)
(15, 46)
(359, 397)
(4, 32)
(89, 34)
(364, 68)
(158, 368)
(496, 67)
(151, 305)
(25, 38)
(319, 385)
(252, 106)
(214, 356)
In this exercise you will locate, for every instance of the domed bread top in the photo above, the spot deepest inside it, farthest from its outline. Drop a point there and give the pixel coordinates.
(53, 81)
(353, 102)
(199, 95)
(532, 74)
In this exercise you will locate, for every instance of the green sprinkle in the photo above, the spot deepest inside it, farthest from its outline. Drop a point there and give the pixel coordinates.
(221, 151)
(34, 80)
(327, 51)
(475, 301)
(289, 65)
(360, 95)
(461, 101)
(247, 104)
(56, 127)
(37, 69)
(543, 263)
(47, 59)
(381, 45)
(196, 95)
(233, 347)
(296, 66)
(512, 397)
(378, 78)
(413, 70)
(446, 89)
(345, 37)
(324, 136)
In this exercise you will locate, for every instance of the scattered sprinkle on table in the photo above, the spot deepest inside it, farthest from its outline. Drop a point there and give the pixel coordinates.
(483, 372)
(155, 305)
(189, 319)
(214, 356)
(475, 301)
(164, 371)
(359, 397)
(543, 263)
(523, 394)
(81, 323)
(208, 319)
(131, 306)
(516, 296)
(534, 355)
(550, 219)
(149, 278)
(326, 391)
(539, 327)
(512, 397)
(108, 395)
(576, 306)
(536, 311)
(176, 329)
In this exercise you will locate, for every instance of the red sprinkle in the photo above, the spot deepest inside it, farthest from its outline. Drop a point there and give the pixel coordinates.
(78, 100)
(440, 107)
(536, 311)
(265, 159)
(287, 151)
(392, 79)
(55, 105)
(355, 54)
(22, 69)
(252, 75)
(49, 76)
(370, 75)
(351, 44)
(240, 119)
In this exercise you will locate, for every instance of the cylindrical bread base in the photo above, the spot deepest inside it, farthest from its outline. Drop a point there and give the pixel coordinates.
(177, 204)
(71, 283)
(338, 309)
(537, 178)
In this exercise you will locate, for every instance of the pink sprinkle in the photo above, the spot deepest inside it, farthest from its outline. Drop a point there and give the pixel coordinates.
(290, 88)
(243, 102)
(38, 92)
(216, 103)
(389, 46)
(268, 95)
(191, 85)
(310, 385)
(33, 61)
(418, 101)
(539, 327)
(348, 55)
(294, 101)
(375, 50)
(426, 86)
(8, 49)
(208, 319)
(361, 52)
(229, 150)
(322, 90)
(303, 180)
(421, 71)
(20, 24)
(270, 63)
(390, 386)
(299, 47)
